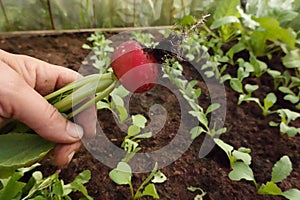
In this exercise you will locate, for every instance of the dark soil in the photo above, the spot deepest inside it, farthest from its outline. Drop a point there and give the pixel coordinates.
(245, 127)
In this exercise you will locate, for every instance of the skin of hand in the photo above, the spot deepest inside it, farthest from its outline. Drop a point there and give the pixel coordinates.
(24, 81)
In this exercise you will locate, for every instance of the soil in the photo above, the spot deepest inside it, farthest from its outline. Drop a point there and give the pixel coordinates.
(246, 127)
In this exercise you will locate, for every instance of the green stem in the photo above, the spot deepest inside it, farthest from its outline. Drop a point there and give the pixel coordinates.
(147, 180)
(80, 82)
(81, 94)
(94, 100)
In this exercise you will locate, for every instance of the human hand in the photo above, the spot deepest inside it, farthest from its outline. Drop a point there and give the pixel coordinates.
(24, 81)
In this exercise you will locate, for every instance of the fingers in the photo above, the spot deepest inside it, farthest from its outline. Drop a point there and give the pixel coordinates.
(63, 153)
(48, 77)
(44, 119)
(20, 101)
(87, 119)
(40, 75)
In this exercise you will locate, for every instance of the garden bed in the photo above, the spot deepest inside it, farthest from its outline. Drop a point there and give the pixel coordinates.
(245, 127)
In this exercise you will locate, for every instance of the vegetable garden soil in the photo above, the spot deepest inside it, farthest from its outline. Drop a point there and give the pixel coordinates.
(245, 127)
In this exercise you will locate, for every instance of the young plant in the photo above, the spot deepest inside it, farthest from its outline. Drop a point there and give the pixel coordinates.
(268, 102)
(280, 171)
(234, 156)
(196, 189)
(291, 96)
(240, 161)
(39, 187)
(144, 38)
(173, 71)
(122, 175)
(286, 116)
(101, 51)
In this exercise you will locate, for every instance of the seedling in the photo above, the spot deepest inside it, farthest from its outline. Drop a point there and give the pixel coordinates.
(240, 161)
(196, 189)
(122, 175)
(268, 102)
(291, 96)
(144, 38)
(286, 117)
(39, 187)
(101, 51)
(240, 155)
(280, 171)
(173, 71)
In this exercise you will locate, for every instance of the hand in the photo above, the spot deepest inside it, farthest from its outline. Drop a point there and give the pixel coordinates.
(24, 81)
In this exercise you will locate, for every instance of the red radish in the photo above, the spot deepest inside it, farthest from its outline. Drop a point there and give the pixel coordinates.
(136, 69)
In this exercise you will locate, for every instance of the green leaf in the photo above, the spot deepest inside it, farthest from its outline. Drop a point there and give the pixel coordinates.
(226, 147)
(240, 46)
(269, 188)
(130, 146)
(57, 188)
(228, 8)
(273, 31)
(12, 188)
(225, 20)
(251, 88)
(18, 150)
(270, 100)
(281, 169)
(187, 20)
(84, 177)
(289, 130)
(292, 59)
(273, 124)
(291, 98)
(122, 113)
(198, 196)
(77, 184)
(133, 130)
(150, 190)
(236, 85)
(143, 135)
(196, 131)
(292, 194)
(286, 90)
(102, 105)
(288, 115)
(139, 120)
(245, 157)
(221, 131)
(259, 66)
(159, 177)
(86, 46)
(122, 174)
(209, 74)
(241, 171)
(117, 100)
(200, 116)
(212, 108)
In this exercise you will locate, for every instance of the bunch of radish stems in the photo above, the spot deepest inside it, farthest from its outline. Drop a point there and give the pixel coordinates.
(79, 95)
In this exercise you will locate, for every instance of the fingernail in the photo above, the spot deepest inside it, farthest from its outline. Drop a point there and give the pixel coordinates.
(70, 156)
(74, 130)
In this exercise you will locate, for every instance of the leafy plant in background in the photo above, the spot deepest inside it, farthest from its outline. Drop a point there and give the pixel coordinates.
(79, 14)
(280, 171)
(39, 187)
(101, 49)
(286, 116)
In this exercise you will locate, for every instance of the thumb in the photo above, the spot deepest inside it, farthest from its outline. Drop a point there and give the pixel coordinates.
(33, 110)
